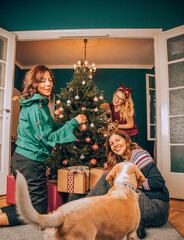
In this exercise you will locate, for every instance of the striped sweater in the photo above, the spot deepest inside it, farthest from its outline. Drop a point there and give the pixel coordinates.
(154, 187)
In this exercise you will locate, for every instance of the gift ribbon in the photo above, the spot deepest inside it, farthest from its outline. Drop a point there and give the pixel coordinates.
(71, 171)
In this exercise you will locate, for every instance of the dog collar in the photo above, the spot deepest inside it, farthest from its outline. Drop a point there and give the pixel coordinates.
(129, 186)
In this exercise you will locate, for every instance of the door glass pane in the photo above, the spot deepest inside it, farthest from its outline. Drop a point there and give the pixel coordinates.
(152, 107)
(151, 82)
(153, 132)
(1, 127)
(2, 74)
(3, 48)
(175, 47)
(177, 130)
(176, 74)
(1, 101)
(177, 159)
(176, 101)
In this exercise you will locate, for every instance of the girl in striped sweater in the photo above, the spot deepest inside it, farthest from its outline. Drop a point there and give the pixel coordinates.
(153, 196)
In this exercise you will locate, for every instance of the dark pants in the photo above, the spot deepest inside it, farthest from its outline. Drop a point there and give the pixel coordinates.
(154, 212)
(35, 174)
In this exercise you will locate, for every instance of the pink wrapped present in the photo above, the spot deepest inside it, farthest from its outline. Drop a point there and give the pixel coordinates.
(55, 199)
(10, 195)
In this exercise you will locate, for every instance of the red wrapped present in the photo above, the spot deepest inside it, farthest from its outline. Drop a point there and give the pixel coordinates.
(55, 198)
(10, 193)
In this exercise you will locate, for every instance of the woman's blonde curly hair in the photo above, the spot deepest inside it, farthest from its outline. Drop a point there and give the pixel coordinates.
(127, 108)
(113, 158)
(31, 79)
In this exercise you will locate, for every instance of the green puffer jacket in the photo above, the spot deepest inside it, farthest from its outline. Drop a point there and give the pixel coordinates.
(37, 131)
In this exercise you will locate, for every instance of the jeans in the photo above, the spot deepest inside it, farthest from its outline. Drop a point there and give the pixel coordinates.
(35, 174)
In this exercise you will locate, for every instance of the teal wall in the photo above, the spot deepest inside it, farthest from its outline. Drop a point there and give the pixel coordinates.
(108, 81)
(22, 15)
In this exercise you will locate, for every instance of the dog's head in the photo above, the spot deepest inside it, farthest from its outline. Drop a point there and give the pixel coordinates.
(126, 173)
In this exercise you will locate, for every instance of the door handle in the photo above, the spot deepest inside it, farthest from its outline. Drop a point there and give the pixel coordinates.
(7, 110)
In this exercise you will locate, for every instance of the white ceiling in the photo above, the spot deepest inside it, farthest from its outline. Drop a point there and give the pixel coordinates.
(105, 53)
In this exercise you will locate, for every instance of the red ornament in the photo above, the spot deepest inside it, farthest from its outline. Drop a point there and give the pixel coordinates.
(38, 123)
(58, 102)
(88, 139)
(78, 140)
(95, 147)
(41, 106)
(57, 112)
(65, 162)
(55, 148)
(83, 109)
(93, 161)
(83, 127)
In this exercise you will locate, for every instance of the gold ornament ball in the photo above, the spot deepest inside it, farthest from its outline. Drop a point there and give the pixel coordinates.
(105, 166)
(83, 127)
(93, 161)
(61, 116)
(105, 134)
(61, 109)
(101, 97)
(95, 99)
(58, 102)
(95, 147)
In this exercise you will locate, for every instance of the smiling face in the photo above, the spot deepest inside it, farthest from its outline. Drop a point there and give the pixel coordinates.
(45, 85)
(117, 144)
(118, 98)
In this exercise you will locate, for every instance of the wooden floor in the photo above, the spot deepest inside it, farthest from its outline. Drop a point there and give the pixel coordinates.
(176, 216)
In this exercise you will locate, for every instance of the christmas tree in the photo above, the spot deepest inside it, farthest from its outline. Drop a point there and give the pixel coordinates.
(81, 97)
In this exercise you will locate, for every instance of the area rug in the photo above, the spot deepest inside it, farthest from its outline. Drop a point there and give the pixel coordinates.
(28, 232)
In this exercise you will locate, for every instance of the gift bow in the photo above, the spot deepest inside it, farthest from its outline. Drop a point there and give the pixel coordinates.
(79, 169)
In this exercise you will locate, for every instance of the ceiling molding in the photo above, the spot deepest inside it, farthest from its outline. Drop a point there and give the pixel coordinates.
(85, 33)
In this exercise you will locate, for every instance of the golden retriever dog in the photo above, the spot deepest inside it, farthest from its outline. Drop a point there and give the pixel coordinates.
(108, 217)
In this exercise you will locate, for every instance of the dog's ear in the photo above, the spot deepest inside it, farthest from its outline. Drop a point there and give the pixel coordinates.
(110, 178)
(140, 177)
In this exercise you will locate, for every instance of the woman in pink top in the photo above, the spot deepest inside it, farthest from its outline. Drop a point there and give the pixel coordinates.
(122, 109)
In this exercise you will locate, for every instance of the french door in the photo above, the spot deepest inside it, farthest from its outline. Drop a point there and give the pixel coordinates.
(7, 52)
(171, 46)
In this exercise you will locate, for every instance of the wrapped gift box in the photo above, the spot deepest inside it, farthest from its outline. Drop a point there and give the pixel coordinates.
(95, 174)
(55, 199)
(73, 179)
(10, 192)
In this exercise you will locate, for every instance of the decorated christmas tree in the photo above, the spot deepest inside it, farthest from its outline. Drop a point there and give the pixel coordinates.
(81, 97)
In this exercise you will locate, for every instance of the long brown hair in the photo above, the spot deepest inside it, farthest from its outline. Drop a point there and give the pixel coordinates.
(31, 79)
(113, 158)
(127, 108)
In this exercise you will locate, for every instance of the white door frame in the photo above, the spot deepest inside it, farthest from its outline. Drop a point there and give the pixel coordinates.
(107, 33)
(6, 116)
(174, 180)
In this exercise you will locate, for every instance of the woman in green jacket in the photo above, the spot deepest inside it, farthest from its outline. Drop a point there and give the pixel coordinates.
(37, 136)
